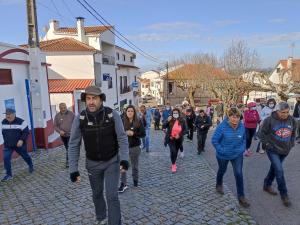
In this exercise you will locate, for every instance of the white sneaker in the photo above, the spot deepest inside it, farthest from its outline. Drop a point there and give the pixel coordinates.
(261, 151)
(181, 154)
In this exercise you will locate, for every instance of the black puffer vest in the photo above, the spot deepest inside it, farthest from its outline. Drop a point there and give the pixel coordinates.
(98, 132)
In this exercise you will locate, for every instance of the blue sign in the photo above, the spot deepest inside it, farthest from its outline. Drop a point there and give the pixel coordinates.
(135, 84)
(10, 104)
(106, 77)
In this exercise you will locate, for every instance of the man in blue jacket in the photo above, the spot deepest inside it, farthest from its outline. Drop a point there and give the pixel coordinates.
(15, 132)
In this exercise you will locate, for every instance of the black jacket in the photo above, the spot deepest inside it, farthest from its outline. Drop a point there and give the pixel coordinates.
(296, 113)
(139, 132)
(169, 125)
(202, 121)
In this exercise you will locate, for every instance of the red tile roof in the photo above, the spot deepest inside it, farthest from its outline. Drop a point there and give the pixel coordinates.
(64, 45)
(88, 30)
(295, 68)
(68, 85)
(192, 71)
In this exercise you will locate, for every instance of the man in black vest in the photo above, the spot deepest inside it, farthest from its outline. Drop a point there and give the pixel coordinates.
(106, 148)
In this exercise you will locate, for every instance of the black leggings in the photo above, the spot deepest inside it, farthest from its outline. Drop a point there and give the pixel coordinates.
(249, 135)
(174, 145)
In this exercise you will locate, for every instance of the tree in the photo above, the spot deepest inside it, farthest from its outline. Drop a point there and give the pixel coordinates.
(239, 58)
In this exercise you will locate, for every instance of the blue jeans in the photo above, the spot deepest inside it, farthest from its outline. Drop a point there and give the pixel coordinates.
(146, 139)
(276, 170)
(22, 151)
(237, 165)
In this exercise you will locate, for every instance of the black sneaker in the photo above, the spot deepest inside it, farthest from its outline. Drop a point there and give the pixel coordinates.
(122, 188)
(135, 183)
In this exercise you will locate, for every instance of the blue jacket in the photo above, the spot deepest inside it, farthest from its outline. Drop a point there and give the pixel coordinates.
(14, 131)
(166, 114)
(228, 142)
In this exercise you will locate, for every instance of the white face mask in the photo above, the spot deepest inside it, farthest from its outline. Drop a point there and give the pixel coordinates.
(197, 114)
(176, 115)
(253, 108)
(271, 106)
(168, 108)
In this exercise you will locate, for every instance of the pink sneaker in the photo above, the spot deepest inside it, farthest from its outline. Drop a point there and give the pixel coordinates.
(247, 153)
(173, 168)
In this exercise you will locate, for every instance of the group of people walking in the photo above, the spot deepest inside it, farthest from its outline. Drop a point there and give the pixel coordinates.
(112, 141)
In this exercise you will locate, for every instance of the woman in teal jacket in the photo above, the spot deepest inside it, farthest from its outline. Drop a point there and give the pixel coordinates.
(229, 140)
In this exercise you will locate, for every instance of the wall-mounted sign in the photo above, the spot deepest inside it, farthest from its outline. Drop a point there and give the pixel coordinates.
(106, 77)
(135, 84)
(10, 104)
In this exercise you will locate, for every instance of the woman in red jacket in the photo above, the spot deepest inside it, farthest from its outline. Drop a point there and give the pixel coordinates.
(251, 120)
(175, 129)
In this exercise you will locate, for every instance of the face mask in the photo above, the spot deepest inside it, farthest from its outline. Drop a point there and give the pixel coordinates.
(197, 114)
(253, 108)
(168, 108)
(271, 106)
(175, 115)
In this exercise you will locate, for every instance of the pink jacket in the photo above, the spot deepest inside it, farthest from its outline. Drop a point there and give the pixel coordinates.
(251, 118)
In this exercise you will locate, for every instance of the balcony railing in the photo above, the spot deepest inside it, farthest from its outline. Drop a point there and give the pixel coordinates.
(125, 89)
(109, 60)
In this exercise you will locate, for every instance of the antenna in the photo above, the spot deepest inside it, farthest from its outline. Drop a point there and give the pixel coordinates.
(292, 45)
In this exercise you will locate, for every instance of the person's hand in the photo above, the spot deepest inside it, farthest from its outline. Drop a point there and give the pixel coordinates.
(75, 177)
(202, 126)
(169, 118)
(20, 143)
(62, 133)
(177, 136)
(129, 133)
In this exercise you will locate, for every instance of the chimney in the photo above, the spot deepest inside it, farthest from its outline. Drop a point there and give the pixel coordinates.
(80, 29)
(54, 25)
(289, 63)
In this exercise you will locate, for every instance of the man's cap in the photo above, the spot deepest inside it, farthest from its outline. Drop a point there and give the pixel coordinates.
(9, 111)
(93, 90)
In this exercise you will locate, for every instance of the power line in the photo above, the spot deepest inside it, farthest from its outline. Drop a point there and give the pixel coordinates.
(53, 11)
(109, 28)
(68, 8)
(120, 32)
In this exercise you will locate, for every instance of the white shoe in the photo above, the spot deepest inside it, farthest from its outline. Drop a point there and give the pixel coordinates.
(261, 151)
(181, 154)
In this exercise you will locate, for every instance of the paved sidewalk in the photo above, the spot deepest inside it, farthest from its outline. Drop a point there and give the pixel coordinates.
(187, 197)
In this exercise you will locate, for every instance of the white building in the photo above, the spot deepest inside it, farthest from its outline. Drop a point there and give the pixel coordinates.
(14, 67)
(127, 75)
(88, 53)
(155, 86)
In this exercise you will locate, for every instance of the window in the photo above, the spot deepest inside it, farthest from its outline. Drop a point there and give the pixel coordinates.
(278, 70)
(170, 87)
(131, 59)
(125, 81)
(110, 83)
(143, 86)
(124, 57)
(98, 79)
(5, 77)
(135, 78)
(118, 56)
(121, 84)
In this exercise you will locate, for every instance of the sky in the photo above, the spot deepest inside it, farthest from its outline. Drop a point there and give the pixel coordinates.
(169, 29)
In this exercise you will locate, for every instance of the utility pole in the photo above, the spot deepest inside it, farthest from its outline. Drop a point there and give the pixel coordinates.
(38, 90)
(167, 65)
(33, 37)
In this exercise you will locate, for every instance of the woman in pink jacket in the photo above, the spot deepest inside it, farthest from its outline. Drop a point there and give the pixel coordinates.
(251, 120)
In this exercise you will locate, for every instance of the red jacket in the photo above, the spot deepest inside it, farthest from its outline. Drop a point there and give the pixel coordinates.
(251, 118)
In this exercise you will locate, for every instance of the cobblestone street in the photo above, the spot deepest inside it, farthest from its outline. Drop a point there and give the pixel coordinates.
(187, 197)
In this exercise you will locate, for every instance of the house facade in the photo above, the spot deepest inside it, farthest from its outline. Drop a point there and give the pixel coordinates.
(14, 71)
(93, 57)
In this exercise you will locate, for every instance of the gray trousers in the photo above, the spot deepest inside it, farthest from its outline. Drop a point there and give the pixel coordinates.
(134, 154)
(107, 172)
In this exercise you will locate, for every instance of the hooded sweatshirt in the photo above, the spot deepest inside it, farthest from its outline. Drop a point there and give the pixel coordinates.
(251, 118)
(229, 143)
(278, 135)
